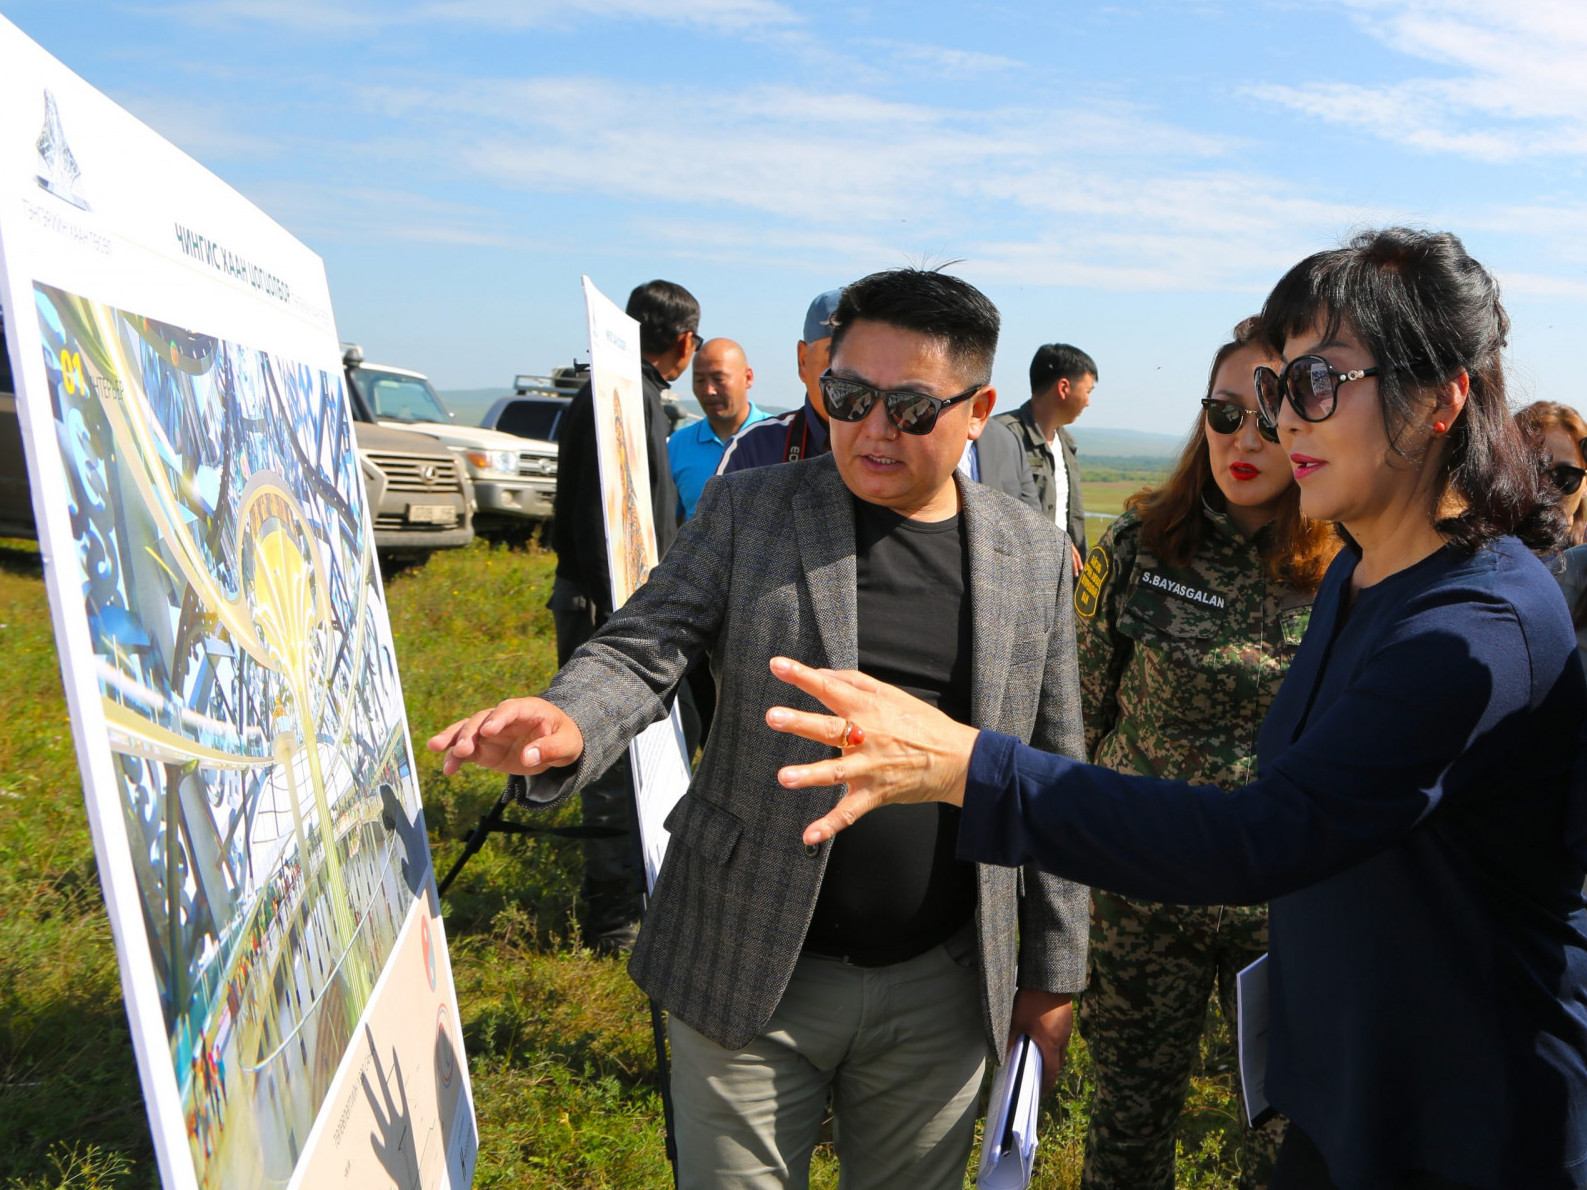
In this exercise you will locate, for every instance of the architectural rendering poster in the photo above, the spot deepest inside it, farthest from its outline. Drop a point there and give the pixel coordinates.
(227, 660)
(659, 759)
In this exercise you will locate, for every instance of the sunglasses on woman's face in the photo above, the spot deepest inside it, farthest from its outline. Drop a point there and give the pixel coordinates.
(1225, 417)
(911, 412)
(1310, 384)
(1566, 478)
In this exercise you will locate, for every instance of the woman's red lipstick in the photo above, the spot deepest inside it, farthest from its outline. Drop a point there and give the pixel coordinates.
(1305, 465)
(1244, 471)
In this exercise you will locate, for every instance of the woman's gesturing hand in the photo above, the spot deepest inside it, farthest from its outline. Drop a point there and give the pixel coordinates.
(521, 735)
(896, 748)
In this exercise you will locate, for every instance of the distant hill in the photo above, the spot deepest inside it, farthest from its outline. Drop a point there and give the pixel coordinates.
(1137, 444)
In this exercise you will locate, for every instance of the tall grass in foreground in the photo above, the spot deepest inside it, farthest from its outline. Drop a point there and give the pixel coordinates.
(558, 1042)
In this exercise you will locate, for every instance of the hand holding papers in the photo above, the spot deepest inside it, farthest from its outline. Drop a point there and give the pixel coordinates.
(1008, 1146)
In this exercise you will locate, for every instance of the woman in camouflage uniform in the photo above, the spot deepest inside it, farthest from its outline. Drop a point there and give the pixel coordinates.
(1190, 608)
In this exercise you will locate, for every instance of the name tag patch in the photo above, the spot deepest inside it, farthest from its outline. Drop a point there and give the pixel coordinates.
(1158, 582)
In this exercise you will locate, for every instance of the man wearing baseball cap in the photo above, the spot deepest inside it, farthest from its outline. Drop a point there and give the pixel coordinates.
(801, 434)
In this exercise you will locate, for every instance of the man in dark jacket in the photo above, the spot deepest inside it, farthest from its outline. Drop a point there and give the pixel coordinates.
(581, 599)
(1061, 380)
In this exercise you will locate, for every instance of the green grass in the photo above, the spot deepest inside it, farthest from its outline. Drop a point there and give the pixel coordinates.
(558, 1041)
(1105, 484)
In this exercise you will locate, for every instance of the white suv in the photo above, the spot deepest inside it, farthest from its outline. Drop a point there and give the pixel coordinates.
(515, 479)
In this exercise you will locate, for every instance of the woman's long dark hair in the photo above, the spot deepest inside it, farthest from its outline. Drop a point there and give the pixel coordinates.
(1426, 311)
(1295, 553)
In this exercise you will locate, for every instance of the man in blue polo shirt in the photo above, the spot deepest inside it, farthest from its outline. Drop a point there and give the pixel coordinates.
(722, 380)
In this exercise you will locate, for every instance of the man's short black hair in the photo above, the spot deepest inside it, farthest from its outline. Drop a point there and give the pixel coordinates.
(664, 311)
(1059, 361)
(929, 303)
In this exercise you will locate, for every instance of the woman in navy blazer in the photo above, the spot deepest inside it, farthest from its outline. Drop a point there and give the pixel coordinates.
(1416, 822)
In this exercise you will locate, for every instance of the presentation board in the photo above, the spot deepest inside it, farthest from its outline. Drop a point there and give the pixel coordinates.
(227, 660)
(659, 759)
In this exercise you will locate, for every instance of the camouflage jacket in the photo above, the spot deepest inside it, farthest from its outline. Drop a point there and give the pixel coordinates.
(1178, 664)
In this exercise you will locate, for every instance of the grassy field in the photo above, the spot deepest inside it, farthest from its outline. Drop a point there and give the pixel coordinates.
(558, 1041)
(1105, 484)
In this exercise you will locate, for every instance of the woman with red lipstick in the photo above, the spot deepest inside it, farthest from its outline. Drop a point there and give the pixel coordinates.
(1419, 816)
(1190, 609)
(1559, 434)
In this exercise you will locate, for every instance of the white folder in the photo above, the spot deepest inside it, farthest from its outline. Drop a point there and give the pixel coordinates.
(1251, 991)
(1008, 1146)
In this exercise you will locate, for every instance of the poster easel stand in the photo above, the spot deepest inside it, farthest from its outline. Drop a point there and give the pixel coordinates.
(495, 822)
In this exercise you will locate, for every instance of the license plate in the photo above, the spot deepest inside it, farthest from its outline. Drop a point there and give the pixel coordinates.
(432, 514)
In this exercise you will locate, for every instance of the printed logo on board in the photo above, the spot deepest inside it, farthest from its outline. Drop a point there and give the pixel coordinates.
(61, 173)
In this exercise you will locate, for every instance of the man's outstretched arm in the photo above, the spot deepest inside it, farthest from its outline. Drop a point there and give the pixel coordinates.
(617, 683)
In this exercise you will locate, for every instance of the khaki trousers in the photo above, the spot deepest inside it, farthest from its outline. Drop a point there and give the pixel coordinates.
(900, 1049)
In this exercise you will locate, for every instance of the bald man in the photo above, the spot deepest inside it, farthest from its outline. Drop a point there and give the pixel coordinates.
(722, 380)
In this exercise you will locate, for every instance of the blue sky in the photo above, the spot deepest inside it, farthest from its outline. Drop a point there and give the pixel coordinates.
(1129, 177)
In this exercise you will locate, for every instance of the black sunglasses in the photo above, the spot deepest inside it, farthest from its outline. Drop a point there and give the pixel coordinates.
(1310, 383)
(1566, 478)
(911, 412)
(1225, 417)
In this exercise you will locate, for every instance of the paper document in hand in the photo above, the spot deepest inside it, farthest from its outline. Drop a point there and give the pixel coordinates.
(1008, 1146)
(663, 776)
(1251, 989)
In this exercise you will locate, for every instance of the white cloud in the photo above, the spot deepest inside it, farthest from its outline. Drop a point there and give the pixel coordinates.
(1506, 79)
(1103, 194)
(950, 61)
(1540, 285)
(356, 17)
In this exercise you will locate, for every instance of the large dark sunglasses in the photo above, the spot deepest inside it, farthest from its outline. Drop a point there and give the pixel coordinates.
(1225, 417)
(911, 412)
(1310, 383)
(1566, 478)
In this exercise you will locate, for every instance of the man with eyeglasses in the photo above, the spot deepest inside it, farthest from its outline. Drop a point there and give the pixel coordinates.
(996, 458)
(581, 599)
(879, 972)
(1062, 378)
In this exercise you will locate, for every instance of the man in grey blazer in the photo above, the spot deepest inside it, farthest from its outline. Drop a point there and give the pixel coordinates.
(1000, 463)
(881, 971)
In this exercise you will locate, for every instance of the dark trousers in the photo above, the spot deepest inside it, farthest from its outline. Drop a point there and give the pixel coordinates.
(1300, 1166)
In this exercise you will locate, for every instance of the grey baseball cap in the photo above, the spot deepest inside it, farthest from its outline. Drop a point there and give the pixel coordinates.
(818, 319)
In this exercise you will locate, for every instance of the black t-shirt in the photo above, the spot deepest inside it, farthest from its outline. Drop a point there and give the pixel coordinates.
(893, 887)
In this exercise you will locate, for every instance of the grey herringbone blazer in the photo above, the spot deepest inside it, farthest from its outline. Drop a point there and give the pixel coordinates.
(766, 567)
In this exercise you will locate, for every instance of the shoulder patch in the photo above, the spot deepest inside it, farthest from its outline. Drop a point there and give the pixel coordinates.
(1088, 588)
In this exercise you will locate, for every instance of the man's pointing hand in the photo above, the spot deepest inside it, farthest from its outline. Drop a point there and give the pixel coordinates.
(525, 736)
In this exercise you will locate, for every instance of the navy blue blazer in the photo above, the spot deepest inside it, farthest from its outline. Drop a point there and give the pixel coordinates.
(1412, 823)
